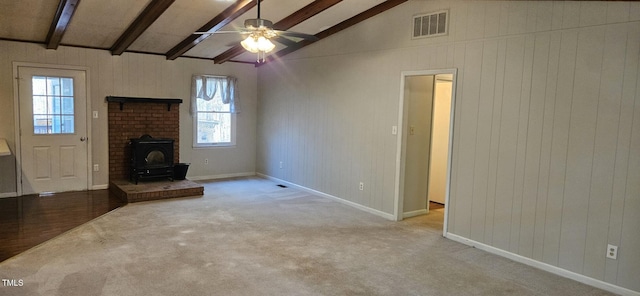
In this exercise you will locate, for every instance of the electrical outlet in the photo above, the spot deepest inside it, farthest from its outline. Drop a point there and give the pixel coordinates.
(281, 164)
(612, 252)
(206, 161)
(96, 167)
(361, 186)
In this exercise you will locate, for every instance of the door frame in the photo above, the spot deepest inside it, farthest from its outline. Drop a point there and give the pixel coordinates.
(401, 142)
(16, 115)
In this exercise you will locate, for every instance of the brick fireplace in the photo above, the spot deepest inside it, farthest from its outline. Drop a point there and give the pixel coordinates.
(138, 118)
(131, 118)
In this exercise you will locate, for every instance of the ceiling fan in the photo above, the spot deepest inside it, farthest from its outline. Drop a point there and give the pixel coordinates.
(260, 33)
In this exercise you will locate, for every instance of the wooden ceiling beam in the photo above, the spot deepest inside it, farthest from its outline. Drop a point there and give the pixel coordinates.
(61, 21)
(149, 15)
(382, 7)
(304, 13)
(286, 23)
(215, 24)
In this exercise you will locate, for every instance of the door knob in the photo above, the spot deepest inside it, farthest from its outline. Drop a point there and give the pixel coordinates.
(82, 139)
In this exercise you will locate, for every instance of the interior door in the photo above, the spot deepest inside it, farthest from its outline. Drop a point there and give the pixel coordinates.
(419, 103)
(440, 138)
(53, 130)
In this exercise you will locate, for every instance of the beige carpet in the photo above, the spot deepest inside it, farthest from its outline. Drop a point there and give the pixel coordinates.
(250, 237)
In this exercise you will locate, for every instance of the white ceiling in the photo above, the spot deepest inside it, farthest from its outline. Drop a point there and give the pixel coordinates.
(99, 23)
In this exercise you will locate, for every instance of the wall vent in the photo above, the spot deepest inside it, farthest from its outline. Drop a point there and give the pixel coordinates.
(431, 24)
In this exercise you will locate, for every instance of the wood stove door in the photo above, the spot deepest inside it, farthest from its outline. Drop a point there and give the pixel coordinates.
(53, 126)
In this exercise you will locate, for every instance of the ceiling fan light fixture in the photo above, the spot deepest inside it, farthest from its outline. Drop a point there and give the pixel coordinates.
(265, 44)
(257, 43)
(250, 44)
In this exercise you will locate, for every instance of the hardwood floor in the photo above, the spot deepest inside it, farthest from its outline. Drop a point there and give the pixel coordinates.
(27, 221)
(435, 205)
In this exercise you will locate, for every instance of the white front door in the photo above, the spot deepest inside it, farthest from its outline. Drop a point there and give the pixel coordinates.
(53, 129)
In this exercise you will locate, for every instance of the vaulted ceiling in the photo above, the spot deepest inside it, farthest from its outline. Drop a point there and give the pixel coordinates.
(166, 27)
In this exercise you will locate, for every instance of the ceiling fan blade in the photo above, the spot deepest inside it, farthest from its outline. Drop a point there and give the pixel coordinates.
(284, 41)
(223, 32)
(297, 35)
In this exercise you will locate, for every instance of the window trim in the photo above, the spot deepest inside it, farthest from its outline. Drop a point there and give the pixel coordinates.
(232, 112)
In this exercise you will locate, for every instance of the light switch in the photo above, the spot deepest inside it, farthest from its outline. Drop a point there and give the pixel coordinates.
(412, 130)
(95, 114)
(394, 130)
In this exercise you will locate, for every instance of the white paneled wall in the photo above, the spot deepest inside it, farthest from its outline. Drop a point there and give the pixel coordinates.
(136, 75)
(546, 156)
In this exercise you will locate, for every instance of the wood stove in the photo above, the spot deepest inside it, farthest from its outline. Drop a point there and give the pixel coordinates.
(151, 158)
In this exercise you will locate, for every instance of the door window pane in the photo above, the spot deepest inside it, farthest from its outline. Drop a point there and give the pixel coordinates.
(41, 124)
(67, 124)
(53, 86)
(67, 86)
(67, 105)
(53, 105)
(39, 85)
(39, 105)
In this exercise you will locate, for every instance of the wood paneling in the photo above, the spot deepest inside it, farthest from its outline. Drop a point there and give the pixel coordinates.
(627, 235)
(546, 132)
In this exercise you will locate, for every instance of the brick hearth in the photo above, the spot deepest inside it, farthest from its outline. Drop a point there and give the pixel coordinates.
(145, 191)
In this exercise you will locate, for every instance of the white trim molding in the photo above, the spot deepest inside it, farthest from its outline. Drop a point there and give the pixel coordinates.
(221, 176)
(329, 196)
(544, 266)
(100, 187)
(420, 212)
(8, 194)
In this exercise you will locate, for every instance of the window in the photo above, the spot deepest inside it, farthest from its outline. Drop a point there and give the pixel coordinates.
(213, 102)
(53, 105)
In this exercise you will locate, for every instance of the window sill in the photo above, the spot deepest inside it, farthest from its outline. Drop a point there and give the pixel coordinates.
(211, 146)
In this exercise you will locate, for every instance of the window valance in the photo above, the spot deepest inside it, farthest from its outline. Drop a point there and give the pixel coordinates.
(207, 87)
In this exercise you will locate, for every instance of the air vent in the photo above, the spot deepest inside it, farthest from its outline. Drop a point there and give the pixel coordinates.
(431, 24)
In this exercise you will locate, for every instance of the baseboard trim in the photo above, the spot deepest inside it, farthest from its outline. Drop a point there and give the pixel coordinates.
(8, 194)
(544, 266)
(100, 187)
(221, 176)
(329, 196)
(414, 213)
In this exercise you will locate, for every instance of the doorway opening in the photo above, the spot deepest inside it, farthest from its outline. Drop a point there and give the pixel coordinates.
(424, 145)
